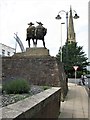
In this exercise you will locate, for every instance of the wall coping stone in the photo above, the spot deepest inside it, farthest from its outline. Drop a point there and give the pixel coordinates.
(16, 109)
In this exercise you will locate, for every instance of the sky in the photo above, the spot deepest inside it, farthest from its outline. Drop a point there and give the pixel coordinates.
(16, 14)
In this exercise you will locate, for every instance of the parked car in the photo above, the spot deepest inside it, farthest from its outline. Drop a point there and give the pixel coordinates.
(88, 75)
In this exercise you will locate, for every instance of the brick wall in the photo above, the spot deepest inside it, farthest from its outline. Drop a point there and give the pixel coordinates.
(36, 70)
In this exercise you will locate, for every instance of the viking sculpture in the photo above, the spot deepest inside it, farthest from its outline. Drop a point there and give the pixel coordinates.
(36, 33)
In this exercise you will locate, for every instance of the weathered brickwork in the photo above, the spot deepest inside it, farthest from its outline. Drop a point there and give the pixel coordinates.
(39, 70)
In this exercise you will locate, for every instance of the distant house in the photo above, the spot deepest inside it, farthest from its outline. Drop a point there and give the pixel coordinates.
(6, 50)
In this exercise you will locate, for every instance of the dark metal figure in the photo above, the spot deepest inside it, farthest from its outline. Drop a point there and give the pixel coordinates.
(30, 33)
(37, 33)
(40, 33)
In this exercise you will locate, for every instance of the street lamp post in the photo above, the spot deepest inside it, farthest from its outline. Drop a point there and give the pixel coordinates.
(61, 41)
(58, 17)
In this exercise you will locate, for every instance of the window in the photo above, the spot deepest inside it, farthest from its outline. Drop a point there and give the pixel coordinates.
(3, 52)
(70, 35)
(8, 53)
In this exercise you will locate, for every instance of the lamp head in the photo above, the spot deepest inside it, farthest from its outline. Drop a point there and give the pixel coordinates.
(58, 17)
(76, 16)
(63, 23)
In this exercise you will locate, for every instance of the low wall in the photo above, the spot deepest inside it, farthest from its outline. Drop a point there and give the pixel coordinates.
(43, 105)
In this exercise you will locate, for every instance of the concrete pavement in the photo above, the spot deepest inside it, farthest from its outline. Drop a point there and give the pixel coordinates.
(76, 103)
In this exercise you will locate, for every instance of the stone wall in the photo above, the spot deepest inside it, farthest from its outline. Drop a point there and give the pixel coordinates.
(43, 105)
(64, 82)
(37, 69)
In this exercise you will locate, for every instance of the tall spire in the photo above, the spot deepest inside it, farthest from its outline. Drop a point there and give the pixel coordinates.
(71, 33)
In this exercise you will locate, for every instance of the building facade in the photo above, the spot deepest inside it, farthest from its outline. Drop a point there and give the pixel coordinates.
(6, 50)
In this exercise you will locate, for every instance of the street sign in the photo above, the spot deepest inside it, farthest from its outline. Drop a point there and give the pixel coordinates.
(75, 67)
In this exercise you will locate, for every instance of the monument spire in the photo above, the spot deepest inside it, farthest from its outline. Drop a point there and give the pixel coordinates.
(71, 33)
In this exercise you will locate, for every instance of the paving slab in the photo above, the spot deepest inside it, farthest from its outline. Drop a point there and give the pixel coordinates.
(76, 103)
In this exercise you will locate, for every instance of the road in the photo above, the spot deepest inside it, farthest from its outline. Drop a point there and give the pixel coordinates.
(72, 80)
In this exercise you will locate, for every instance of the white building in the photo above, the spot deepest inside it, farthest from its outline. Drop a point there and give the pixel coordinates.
(6, 50)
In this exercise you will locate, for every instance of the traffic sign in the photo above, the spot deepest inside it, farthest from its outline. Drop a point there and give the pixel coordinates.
(75, 67)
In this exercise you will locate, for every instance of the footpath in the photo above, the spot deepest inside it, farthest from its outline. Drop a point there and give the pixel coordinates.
(76, 103)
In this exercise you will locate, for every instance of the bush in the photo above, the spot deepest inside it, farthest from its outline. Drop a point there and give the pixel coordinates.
(46, 87)
(16, 87)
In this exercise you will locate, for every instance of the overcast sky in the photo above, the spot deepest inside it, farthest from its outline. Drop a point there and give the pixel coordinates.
(16, 14)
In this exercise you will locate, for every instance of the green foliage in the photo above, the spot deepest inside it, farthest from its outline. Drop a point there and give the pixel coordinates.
(46, 87)
(88, 72)
(73, 55)
(16, 87)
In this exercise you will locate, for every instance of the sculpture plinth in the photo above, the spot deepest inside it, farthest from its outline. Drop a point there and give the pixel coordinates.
(34, 52)
(37, 51)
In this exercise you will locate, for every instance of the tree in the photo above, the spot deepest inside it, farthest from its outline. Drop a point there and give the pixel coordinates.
(73, 55)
